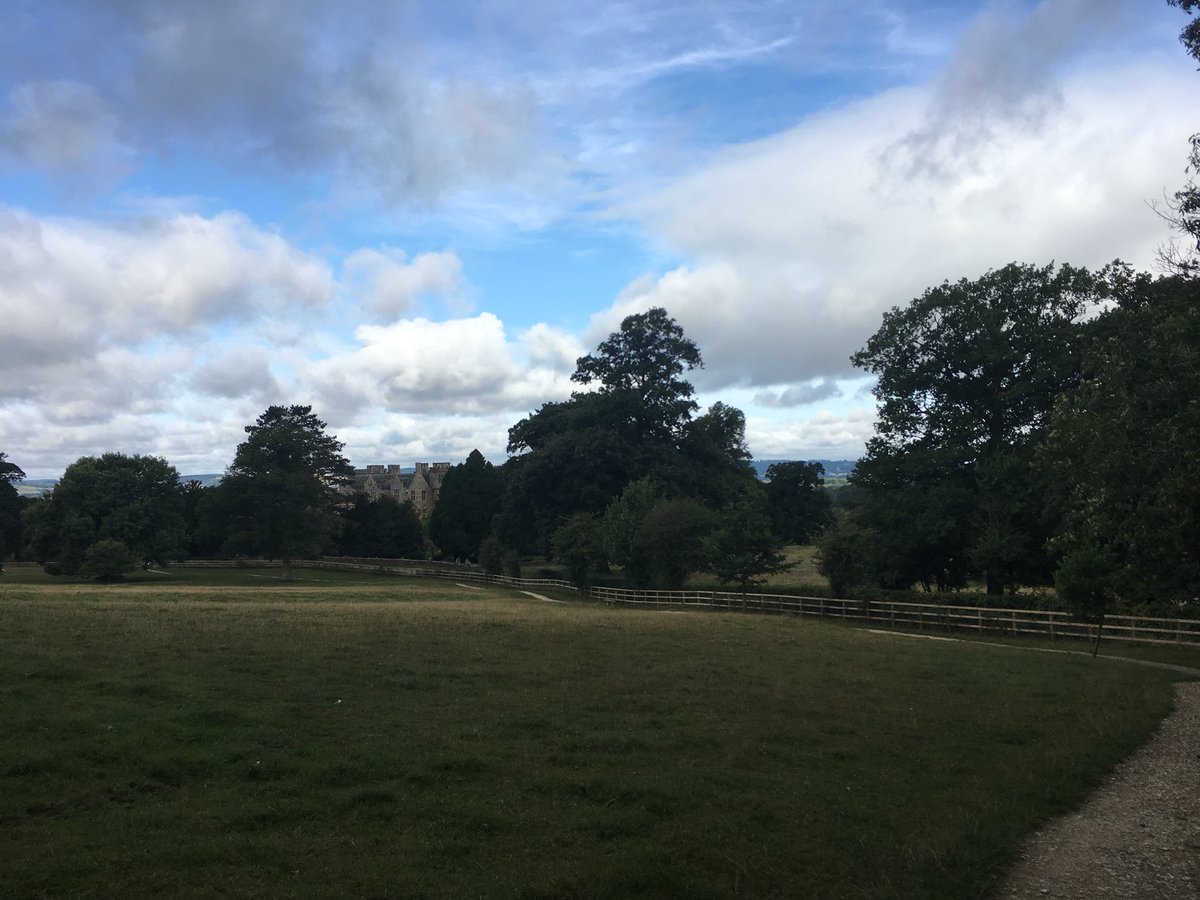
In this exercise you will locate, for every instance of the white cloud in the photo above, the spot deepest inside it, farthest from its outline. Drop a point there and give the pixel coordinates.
(389, 285)
(459, 366)
(799, 242)
(70, 288)
(826, 435)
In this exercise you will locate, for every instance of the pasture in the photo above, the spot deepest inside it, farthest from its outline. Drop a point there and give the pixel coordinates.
(205, 734)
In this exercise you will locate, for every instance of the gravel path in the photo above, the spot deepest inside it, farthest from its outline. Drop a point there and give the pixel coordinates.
(1137, 836)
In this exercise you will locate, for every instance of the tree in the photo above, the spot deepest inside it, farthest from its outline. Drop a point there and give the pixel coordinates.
(619, 528)
(380, 528)
(1084, 583)
(846, 555)
(577, 545)
(469, 500)
(671, 541)
(967, 374)
(578, 455)
(645, 361)
(134, 500)
(107, 560)
(10, 508)
(711, 461)
(743, 550)
(796, 503)
(1125, 445)
(283, 484)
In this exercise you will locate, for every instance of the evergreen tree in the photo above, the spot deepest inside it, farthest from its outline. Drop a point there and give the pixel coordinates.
(468, 502)
(283, 487)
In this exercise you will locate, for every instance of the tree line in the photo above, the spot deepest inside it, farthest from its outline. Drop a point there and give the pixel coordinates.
(1038, 425)
(625, 472)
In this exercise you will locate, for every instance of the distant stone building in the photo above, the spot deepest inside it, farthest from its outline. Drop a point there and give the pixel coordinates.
(421, 487)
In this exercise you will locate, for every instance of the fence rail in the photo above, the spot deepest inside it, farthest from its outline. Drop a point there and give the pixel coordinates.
(893, 613)
(1047, 623)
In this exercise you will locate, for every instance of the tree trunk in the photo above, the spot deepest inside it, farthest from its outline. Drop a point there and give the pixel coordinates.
(286, 560)
(994, 584)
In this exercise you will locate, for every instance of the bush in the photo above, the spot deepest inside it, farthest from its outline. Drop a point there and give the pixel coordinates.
(107, 560)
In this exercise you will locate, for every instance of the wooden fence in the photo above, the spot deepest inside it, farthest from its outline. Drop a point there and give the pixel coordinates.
(894, 614)
(922, 616)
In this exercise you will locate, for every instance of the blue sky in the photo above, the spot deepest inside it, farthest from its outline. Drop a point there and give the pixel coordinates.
(416, 216)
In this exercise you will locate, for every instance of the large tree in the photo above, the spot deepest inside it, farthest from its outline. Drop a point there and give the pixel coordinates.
(967, 374)
(637, 422)
(285, 484)
(380, 527)
(645, 362)
(743, 550)
(1125, 445)
(468, 501)
(797, 504)
(10, 508)
(132, 501)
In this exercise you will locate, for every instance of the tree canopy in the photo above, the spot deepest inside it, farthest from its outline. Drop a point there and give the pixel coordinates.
(644, 362)
(10, 507)
(132, 501)
(967, 374)
(282, 489)
(1125, 445)
(468, 501)
(577, 455)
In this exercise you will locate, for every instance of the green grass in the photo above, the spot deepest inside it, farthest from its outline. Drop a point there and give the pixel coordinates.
(357, 736)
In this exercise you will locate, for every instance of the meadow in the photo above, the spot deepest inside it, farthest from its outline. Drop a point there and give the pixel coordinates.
(205, 734)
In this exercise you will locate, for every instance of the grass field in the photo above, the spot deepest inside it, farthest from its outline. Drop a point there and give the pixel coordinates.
(222, 734)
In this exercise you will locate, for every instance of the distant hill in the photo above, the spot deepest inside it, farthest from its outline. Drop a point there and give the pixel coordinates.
(35, 487)
(835, 469)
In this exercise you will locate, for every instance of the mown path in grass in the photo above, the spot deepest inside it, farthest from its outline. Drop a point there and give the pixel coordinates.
(405, 738)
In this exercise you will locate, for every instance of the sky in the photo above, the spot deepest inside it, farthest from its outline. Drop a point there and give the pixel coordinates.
(416, 216)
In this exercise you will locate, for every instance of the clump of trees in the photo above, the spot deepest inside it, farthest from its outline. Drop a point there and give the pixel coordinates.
(630, 473)
(107, 515)
(1028, 420)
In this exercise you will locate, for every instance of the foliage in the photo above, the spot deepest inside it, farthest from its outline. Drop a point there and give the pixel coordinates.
(282, 488)
(380, 527)
(582, 454)
(1083, 583)
(469, 499)
(1125, 446)
(9, 471)
(619, 528)
(644, 361)
(491, 555)
(671, 541)
(577, 545)
(711, 462)
(796, 503)
(743, 549)
(578, 455)
(136, 500)
(967, 374)
(10, 508)
(107, 560)
(846, 555)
